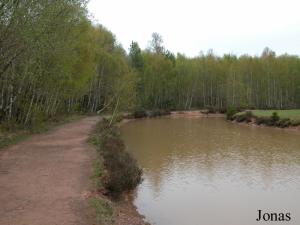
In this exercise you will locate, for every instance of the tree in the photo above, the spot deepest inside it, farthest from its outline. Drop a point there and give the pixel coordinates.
(156, 44)
(136, 57)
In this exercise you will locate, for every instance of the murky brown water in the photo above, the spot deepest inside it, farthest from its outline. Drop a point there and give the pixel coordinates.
(210, 172)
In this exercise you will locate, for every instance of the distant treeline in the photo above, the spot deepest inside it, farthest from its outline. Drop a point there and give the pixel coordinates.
(206, 81)
(54, 61)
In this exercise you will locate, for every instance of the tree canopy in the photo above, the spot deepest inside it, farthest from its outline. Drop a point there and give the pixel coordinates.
(53, 61)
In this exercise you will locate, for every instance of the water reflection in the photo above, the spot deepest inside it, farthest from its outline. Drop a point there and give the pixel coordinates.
(195, 169)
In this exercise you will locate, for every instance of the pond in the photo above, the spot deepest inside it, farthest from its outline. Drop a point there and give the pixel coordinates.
(207, 171)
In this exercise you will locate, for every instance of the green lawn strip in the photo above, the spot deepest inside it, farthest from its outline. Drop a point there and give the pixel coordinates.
(292, 114)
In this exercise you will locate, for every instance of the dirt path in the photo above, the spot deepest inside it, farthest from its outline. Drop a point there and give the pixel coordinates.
(43, 180)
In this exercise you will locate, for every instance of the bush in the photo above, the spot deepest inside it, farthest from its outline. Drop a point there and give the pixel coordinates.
(261, 120)
(273, 120)
(240, 118)
(230, 113)
(123, 173)
(139, 114)
(243, 117)
(283, 123)
(295, 123)
(275, 117)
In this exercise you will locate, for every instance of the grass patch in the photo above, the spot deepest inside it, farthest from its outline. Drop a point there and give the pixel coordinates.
(103, 210)
(98, 172)
(277, 118)
(292, 114)
(10, 138)
(230, 113)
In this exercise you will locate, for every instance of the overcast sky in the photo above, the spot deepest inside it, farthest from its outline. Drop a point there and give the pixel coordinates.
(191, 26)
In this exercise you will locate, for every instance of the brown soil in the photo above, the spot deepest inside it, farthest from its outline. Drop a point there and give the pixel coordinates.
(44, 180)
(126, 213)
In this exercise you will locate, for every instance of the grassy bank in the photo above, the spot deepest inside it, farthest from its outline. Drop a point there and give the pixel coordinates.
(116, 173)
(292, 114)
(276, 118)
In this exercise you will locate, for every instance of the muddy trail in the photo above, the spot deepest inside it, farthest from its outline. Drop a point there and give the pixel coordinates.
(45, 179)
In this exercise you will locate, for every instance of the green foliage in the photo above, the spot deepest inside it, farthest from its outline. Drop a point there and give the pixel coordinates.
(135, 54)
(243, 117)
(98, 172)
(274, 120)
(295, 123)
(54, 61)
(283, 123)
(275, 117)
(230, 112)
(7, 139)
(261, 120)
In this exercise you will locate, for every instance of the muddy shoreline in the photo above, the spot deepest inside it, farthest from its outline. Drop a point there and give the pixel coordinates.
(253, 124)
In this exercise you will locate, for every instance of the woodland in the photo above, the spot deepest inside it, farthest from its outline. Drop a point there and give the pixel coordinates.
(55, 61)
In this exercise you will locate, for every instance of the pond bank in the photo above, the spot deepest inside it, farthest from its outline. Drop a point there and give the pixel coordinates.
(116, 174)
(266, 118)
(194, 114)
(253, 124)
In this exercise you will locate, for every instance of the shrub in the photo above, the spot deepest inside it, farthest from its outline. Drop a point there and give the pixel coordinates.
(243, 117)
(230, 113)
(283, 123)
(249, 115)
(139, 114)
(123, 173)
(240, 117)
(275, 117)
(261, 120)
(269, 121)
(118, 118)
(295, 123)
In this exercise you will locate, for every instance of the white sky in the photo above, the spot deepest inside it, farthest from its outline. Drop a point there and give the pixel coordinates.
(189, 26)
